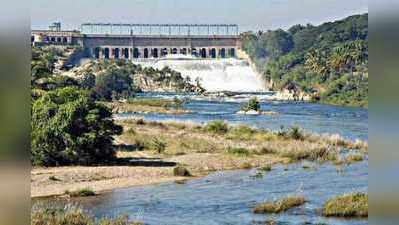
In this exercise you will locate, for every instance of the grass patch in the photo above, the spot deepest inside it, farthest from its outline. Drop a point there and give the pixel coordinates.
(351, 205)
(181, 171)
(84, 192)
(152, 102)
(279, 206)
(352, 158)
(241, 132)
(217, 127)
(238, 151)
(266, 168)
(72, 215)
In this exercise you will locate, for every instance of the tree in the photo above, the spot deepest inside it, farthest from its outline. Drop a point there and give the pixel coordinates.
(114, 82)
(69, 127)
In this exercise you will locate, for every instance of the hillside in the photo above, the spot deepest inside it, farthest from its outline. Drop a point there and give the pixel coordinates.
(328, 62)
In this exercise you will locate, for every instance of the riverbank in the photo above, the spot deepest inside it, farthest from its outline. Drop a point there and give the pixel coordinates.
(148, 152)
(144, 106)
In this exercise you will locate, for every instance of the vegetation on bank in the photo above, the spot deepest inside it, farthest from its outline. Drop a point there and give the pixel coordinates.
(72, 215)
(237, 141)
(328, 62)
(145, 105)
(69, 127)
(280, 205)
(84, 192)
(350, 205)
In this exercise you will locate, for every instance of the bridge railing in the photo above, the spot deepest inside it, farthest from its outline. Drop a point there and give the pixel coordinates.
(159, 29)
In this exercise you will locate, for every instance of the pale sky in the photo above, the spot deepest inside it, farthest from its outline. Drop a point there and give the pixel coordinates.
(248, 14)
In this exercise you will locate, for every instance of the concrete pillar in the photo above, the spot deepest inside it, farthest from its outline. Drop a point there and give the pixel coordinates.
(130, 53)
(100, 53)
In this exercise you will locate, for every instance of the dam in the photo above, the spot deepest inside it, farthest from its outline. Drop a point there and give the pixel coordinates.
(145, 41)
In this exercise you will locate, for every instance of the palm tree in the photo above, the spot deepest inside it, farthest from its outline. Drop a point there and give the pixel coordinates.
(315, 61)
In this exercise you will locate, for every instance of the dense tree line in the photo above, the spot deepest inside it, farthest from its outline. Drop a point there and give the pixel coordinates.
(329, 61)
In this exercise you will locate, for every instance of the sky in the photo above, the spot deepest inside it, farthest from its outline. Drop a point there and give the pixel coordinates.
(248, 14)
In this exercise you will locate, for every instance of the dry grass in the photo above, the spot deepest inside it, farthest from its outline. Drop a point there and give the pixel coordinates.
(188, 144)
(71, 215)
(217, 136)
(354, 158)
(351, 205)
(279, 206)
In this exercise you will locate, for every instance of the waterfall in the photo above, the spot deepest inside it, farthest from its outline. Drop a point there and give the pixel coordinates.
(215, 74)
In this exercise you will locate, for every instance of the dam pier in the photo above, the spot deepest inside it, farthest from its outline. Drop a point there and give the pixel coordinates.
(141, 41)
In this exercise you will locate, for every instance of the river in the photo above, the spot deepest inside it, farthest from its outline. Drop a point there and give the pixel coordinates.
(227, 197)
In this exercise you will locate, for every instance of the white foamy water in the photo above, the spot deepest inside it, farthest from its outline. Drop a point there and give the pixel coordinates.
(214, 74)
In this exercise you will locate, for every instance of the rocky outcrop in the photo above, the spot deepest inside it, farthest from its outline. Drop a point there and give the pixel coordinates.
(291, 95)
(146, 83)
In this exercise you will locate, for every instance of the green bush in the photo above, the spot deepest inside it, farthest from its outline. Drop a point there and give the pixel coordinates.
(217, 126)
(295, 133)
(253, 104)
(69, 127)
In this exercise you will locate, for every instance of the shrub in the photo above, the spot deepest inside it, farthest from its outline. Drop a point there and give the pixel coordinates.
(295, 133)
(84, 192)
(253, 104)
(354, 158)
(279, 206)
(181, 171)
(69, 127)
(352, 205)
(53, 178)
(140, 121)
(159, 145)
(217, 126)
(238, 151)
(266, 167)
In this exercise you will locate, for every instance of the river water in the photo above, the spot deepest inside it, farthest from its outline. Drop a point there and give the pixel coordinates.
(228, 197)
(349, 122)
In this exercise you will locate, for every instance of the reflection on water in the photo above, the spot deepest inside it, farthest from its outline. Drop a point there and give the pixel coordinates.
(227, 197)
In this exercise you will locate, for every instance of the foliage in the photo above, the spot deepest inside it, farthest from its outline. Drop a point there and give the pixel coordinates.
(295, 133)
(253, 104)
(69, 127)
(159, 145)
(115, 82)
(352, 205)
(217, 126)
(238, 151)
(84, 192)
(329, 61)
(280, 206)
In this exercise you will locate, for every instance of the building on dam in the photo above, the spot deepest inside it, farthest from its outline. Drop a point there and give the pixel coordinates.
(140, 41)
